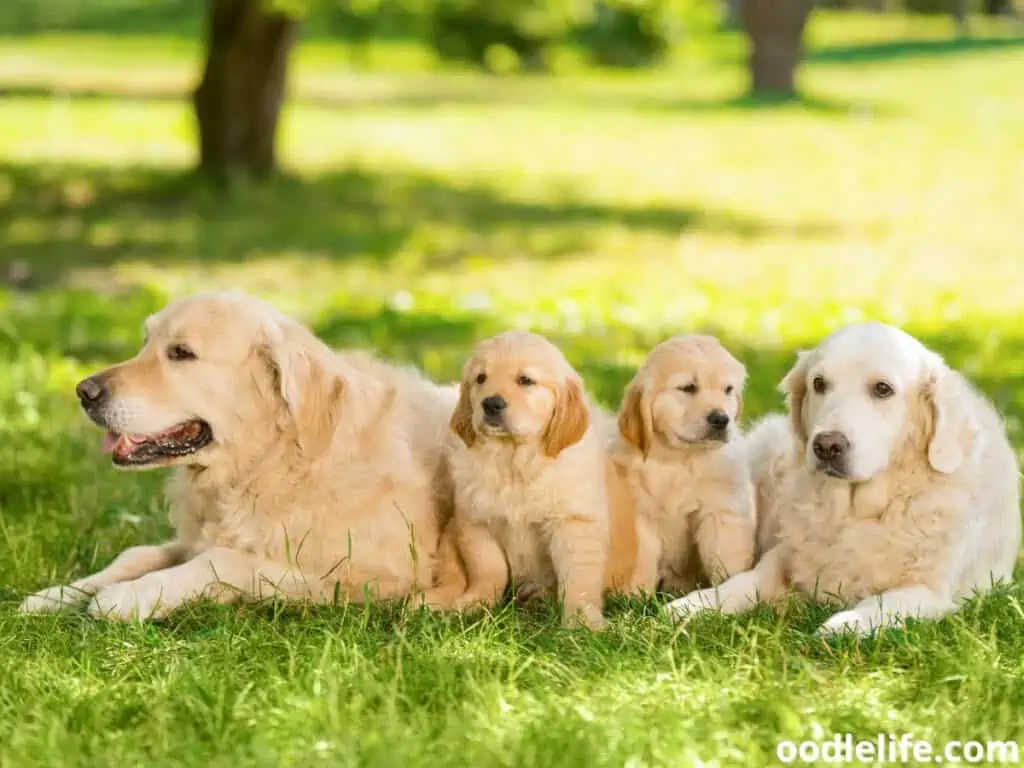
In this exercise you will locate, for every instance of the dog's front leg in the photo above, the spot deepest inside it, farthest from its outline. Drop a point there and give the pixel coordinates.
(739, 593)
(220, 574)
(486, 567)
(130, 564)
(726, 538)
(889, 609)
(579, 554)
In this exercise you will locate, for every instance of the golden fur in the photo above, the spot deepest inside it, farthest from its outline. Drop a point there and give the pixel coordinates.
(324, 479)
(530, 496)
(689, 482)
(921, 509)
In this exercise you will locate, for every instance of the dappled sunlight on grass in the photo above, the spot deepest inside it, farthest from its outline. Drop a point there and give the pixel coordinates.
(422, 210)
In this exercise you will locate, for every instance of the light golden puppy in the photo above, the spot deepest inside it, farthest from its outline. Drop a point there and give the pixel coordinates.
(299, 472)
(529, 475)
(892, 489)
(680, 448)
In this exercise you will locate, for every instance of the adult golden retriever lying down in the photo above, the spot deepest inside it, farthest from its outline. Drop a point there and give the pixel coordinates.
(891, 490)
(299, 472)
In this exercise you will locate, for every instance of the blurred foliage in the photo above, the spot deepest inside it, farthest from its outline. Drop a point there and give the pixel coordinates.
(499, 35)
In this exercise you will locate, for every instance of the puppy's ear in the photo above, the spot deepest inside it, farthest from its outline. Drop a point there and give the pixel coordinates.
(741, 384)
(953, 427)
(794, 387)
(461, 422)
(307, 381)
(635, 425)
(569, 421)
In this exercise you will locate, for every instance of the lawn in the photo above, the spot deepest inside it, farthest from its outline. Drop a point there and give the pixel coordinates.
(427, 208)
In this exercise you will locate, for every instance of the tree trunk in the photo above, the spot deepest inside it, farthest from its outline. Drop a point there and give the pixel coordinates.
(998, 7)
(775, 29)
(238, 101)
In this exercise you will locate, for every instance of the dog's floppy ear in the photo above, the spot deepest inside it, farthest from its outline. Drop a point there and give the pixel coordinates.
(953, 427)
(307, 381)
(740, 386)
(461, 422)
(794, 387)
(569, 421)
(635, 424)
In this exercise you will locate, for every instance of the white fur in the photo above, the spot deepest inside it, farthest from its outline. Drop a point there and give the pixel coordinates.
(929, 513)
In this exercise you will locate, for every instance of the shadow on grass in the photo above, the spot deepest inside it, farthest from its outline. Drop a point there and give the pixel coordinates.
(910, 49)
(61, 218)
(428, 92)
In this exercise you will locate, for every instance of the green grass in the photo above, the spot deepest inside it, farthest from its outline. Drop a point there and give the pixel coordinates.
(423, 210)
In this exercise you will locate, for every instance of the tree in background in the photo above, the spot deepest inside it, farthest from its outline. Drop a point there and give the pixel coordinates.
(775, 31)
(238, 101)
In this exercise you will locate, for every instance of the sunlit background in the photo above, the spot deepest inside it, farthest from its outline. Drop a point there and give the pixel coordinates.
(605, 173)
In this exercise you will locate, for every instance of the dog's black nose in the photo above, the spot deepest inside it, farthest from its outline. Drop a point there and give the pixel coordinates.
(718, 419)
(829, 446)
(493, 405)
(90, 391)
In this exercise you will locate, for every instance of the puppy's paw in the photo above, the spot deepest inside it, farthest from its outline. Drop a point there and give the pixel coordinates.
(438, 599)
(585, 617)
(53, 599)
(846, 622)
(694, 603)
(472, 602)
(528, 593)
(131, 601)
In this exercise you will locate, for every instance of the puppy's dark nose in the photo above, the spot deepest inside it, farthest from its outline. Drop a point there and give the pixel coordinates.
(493, 406)
(718, 419)
(91, 391)
(830, 446)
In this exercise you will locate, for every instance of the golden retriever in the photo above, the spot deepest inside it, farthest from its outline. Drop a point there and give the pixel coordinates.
(680, 448)
(299, 472)
(892, 488)
(528, 467)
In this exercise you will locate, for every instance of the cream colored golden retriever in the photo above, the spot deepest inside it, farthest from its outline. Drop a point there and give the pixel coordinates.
(680, 448)
(299, 472)
(529, 473)
(892, 490)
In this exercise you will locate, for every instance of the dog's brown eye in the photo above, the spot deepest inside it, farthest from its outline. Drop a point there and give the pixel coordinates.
(729, 389)
(481, 378)
(179, 352)
(525, 381)
(690, 389)
(819, 385)
(882, 390)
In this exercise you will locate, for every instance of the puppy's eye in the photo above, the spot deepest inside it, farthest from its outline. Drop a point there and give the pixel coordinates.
(180, 352)
(690, 389)
(729, 389)
(525, 381)
(883, 390)
(481, 378)
(819, 385)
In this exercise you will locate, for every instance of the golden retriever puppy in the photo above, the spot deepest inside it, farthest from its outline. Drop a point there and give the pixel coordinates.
(680, 448)
(529, 476)
(893, 489)
(299, 472)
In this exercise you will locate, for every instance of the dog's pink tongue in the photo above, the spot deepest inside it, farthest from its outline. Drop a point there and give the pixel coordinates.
(110, 442)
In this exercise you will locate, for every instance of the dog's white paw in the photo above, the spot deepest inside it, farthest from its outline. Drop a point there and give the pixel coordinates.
(846, 622)
(694, 603)
(54, 599)
(131, 601)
